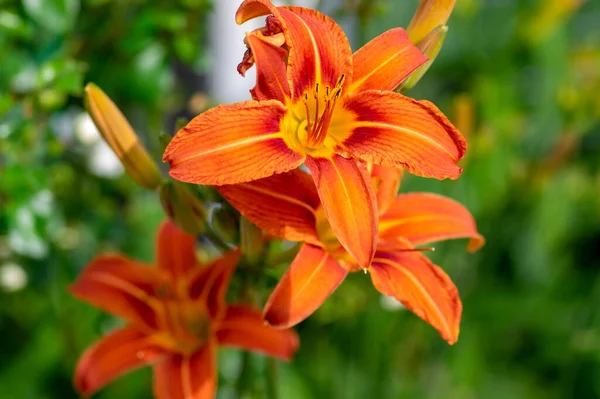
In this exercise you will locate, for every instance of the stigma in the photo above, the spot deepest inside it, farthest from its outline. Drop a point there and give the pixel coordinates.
(317, 124)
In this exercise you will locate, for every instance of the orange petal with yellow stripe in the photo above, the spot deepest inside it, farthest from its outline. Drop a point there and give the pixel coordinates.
(309, 281)
(384, 62)
(113, 355)
(232, 144)
(319, 51)
(175, 250)
(124, 288)
(191, 376)
(283, 205)
(422, 287)
(349, 202)
(393, 130)
(244, 328)
(423, 218)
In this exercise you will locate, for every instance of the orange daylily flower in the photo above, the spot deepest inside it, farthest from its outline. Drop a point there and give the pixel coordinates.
(317, 103)
(177, 317)
(287, 206)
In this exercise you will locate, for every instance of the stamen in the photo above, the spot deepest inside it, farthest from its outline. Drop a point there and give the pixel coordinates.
(317, 129)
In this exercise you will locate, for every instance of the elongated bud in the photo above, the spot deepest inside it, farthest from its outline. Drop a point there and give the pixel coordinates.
(429, 16)
(251, 240)
(119, 134)
(430, 46)
(184, 208)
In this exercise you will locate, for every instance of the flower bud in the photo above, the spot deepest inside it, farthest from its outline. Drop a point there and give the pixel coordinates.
(430, 46)
(119, 134)
(429, 16)
(183, 207)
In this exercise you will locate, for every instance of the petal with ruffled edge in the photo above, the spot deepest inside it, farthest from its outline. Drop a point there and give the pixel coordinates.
(422, 287)
(271, 78)
(319, 51)
(387, 183)
(283, 205)
(209, 284)
(188, 376)
(124, 288)
(115, 354)
(175, 250)
(244, 328)
(232, 144)
(349, 202)
(384, 62)
(390, 129)
(423, 218)
(310, 280)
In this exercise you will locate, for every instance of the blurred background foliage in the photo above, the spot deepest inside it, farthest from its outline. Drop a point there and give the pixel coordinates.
(519, 78)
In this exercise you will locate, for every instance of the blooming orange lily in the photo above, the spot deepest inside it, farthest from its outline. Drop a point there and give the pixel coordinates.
(177, 318)
(287, 206)
(317, 103)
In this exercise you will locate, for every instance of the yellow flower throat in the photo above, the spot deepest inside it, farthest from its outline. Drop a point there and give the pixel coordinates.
(310, 126)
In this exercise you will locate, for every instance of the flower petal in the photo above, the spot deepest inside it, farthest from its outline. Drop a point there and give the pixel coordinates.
(423, 218)
(115, 354)
(319, 51)
(250, 9)
(349, 202)
(271, 79)
(386, 182)
(244, 327)
(422, 287)
(175, 250)
(384, 62)
(393, 130)
(232, 144)
(283, 205)
(188, 376)
(210, 283)
(310, 280)
(122, 287)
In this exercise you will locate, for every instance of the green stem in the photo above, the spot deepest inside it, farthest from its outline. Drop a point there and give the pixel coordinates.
(245, 378)
(272, 366)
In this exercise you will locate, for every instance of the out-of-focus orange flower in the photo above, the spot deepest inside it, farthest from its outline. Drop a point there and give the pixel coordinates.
(287, 206)
(177, 317)
(317, 103)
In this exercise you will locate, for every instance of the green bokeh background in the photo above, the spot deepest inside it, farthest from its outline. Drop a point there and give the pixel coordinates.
(531, 321)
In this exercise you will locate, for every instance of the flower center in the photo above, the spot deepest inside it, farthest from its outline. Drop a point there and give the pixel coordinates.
(313, 130)
(186, 325)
